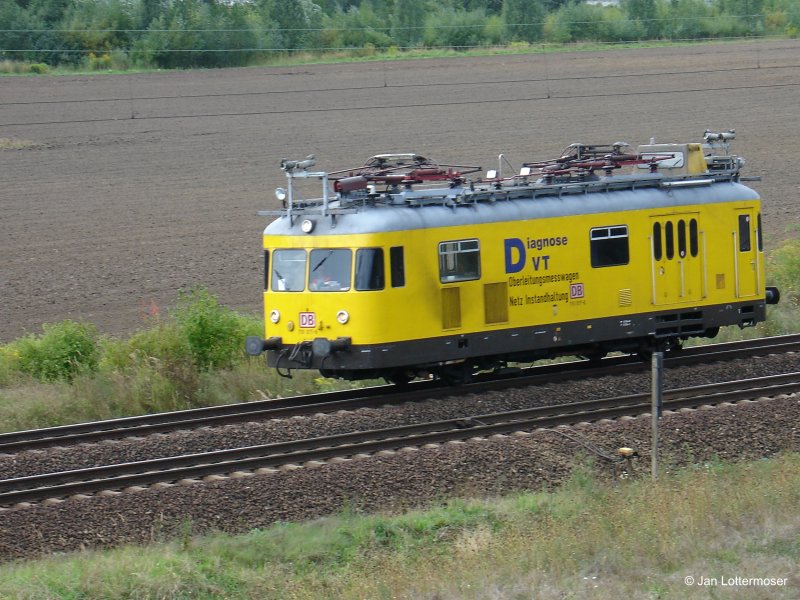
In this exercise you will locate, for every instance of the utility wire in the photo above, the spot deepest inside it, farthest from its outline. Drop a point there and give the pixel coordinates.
(417, 105)
(400, 86)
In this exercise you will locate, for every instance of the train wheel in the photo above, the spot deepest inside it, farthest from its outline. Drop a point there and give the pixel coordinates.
(596, 356)
(456, 374)
(645, 352)
(398, 378)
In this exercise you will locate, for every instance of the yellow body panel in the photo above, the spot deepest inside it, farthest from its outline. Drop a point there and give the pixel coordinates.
(557, 283)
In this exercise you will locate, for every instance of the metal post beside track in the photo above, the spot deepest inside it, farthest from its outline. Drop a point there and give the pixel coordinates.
(655, 411)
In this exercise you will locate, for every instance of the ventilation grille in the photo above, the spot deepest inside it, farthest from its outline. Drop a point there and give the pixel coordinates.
(625, 298)
(451, 308)
(495, 302)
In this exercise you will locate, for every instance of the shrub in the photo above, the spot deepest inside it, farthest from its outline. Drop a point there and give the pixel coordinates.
(61, 352)
(162, 344)
(783, 269)
(97, 63)
(9, 363)
(39, 68)
(214, 334)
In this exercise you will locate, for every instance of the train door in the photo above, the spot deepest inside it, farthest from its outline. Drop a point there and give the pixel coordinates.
(459, 261)
(746, 247)
(678, 262)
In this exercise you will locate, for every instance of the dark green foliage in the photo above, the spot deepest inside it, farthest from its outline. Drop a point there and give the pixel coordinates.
(457, 29)
(407, 20)
(61, 352)
(356, 28)
(645, 14)
(220, 33)
(524, 19)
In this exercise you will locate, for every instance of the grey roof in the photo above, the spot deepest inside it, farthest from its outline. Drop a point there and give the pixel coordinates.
(384, 218)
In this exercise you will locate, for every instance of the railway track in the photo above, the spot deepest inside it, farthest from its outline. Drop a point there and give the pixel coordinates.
(37, 488)
(352, 399)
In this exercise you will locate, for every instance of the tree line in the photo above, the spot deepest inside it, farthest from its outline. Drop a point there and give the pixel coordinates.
(219, 33)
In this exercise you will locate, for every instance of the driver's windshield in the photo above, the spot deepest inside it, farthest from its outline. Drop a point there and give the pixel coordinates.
(329, 270)
(288, 270)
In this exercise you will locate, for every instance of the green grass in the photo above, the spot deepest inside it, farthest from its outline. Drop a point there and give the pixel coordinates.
(589, 540)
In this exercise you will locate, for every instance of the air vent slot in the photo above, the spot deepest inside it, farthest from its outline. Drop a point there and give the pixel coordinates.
(451, 308)
(495, 302)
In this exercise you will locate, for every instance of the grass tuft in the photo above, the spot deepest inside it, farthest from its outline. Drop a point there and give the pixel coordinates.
(590, 539)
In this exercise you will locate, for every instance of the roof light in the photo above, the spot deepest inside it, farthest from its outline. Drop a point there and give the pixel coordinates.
(280, 194)
(307, 226)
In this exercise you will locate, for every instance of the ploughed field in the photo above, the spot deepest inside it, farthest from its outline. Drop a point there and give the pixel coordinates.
(119, 190)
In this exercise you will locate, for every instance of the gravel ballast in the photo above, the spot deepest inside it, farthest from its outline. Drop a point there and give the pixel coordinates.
(536, 461)
(467, 404)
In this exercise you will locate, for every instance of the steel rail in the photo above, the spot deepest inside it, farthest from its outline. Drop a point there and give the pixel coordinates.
(19, 441)
(83, 481)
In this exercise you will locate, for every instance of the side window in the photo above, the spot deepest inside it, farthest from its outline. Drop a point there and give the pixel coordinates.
(329, 270)
(369, 269)
(657, 250)
(693, 238)
(459, 261)
(759, 237)
(669, 234)
(288, 270)
(682, 238)
(609, 246)
(744, 233)
(266, 269)
(397, 266)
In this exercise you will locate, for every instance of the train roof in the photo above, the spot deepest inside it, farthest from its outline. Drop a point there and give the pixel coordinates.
(396, 192)
(386, 218)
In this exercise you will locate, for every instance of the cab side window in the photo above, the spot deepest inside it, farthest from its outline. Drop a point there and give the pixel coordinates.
(369, 269)
(397, 266)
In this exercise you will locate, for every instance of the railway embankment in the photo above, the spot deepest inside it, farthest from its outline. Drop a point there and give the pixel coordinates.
(541, 459)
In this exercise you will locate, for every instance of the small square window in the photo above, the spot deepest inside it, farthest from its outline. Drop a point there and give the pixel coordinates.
(459, 261)
(609, 246)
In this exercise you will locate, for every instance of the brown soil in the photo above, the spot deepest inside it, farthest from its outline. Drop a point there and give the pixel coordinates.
(120, 190)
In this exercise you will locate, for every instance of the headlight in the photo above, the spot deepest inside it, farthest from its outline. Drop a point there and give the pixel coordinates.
(307, 226)
(342, 316)
(275, 316)
(280, 194)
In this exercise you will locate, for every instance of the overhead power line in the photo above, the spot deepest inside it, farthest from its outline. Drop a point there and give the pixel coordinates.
(434, 84)
(414, 105)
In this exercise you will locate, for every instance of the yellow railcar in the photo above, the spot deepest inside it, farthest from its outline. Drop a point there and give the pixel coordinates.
(406, 268)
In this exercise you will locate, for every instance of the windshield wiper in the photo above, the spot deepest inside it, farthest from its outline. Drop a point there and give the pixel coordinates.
(322, 261)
